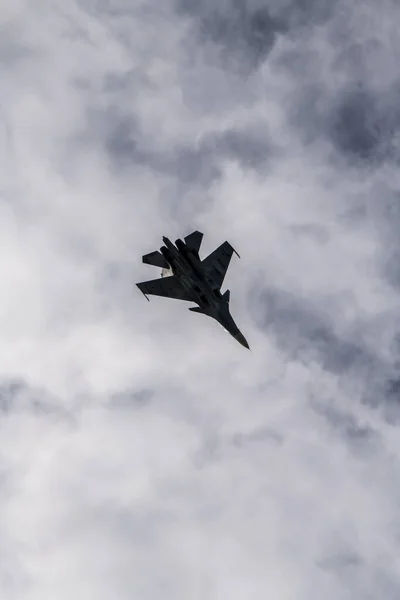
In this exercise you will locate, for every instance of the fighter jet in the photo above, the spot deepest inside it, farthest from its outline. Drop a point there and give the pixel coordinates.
(186, 277)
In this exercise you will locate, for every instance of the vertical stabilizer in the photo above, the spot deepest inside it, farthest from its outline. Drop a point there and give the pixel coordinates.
(193, 240)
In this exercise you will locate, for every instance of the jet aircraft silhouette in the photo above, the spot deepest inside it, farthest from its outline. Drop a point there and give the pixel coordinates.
(186, 277)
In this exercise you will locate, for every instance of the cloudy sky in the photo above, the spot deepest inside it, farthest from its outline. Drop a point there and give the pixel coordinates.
(144, 454)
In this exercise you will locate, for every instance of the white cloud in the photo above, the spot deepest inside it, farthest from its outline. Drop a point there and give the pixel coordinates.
(143, 452)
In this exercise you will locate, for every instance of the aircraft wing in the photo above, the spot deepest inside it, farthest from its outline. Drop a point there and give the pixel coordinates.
(169, 287)
(216, 264)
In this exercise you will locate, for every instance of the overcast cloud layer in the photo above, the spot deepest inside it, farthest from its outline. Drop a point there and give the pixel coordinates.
(144, 454)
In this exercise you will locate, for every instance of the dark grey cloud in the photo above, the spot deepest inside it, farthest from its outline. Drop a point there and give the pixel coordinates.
(216, 447)
(306, 333)
(252, 149)
(358, 576)
(243, 31)
(384, 211)
(303, 332)
(246, 32)
(257, 436)
(18, 397)
(11, 51)
(364, 126)
(127, 400)
(349, 99)
(361, 124)
(356, 127)
(128, 145)
(360, 437)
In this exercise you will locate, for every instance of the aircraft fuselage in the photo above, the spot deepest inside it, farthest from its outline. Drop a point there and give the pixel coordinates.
(188, 268)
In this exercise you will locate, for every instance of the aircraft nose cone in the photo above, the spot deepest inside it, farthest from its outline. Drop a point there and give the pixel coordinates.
(241, 339)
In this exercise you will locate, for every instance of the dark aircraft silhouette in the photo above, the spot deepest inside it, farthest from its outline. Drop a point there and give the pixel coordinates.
(186, 277)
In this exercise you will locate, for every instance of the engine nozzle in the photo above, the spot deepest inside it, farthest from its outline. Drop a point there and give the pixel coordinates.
(167, 254)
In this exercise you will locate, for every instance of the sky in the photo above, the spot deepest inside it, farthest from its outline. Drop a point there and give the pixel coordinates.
(144, 453)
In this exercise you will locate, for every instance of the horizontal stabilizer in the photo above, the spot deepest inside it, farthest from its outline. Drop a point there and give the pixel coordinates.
(155, 258)
(226, 296)
(197, 309)
(193, 240)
